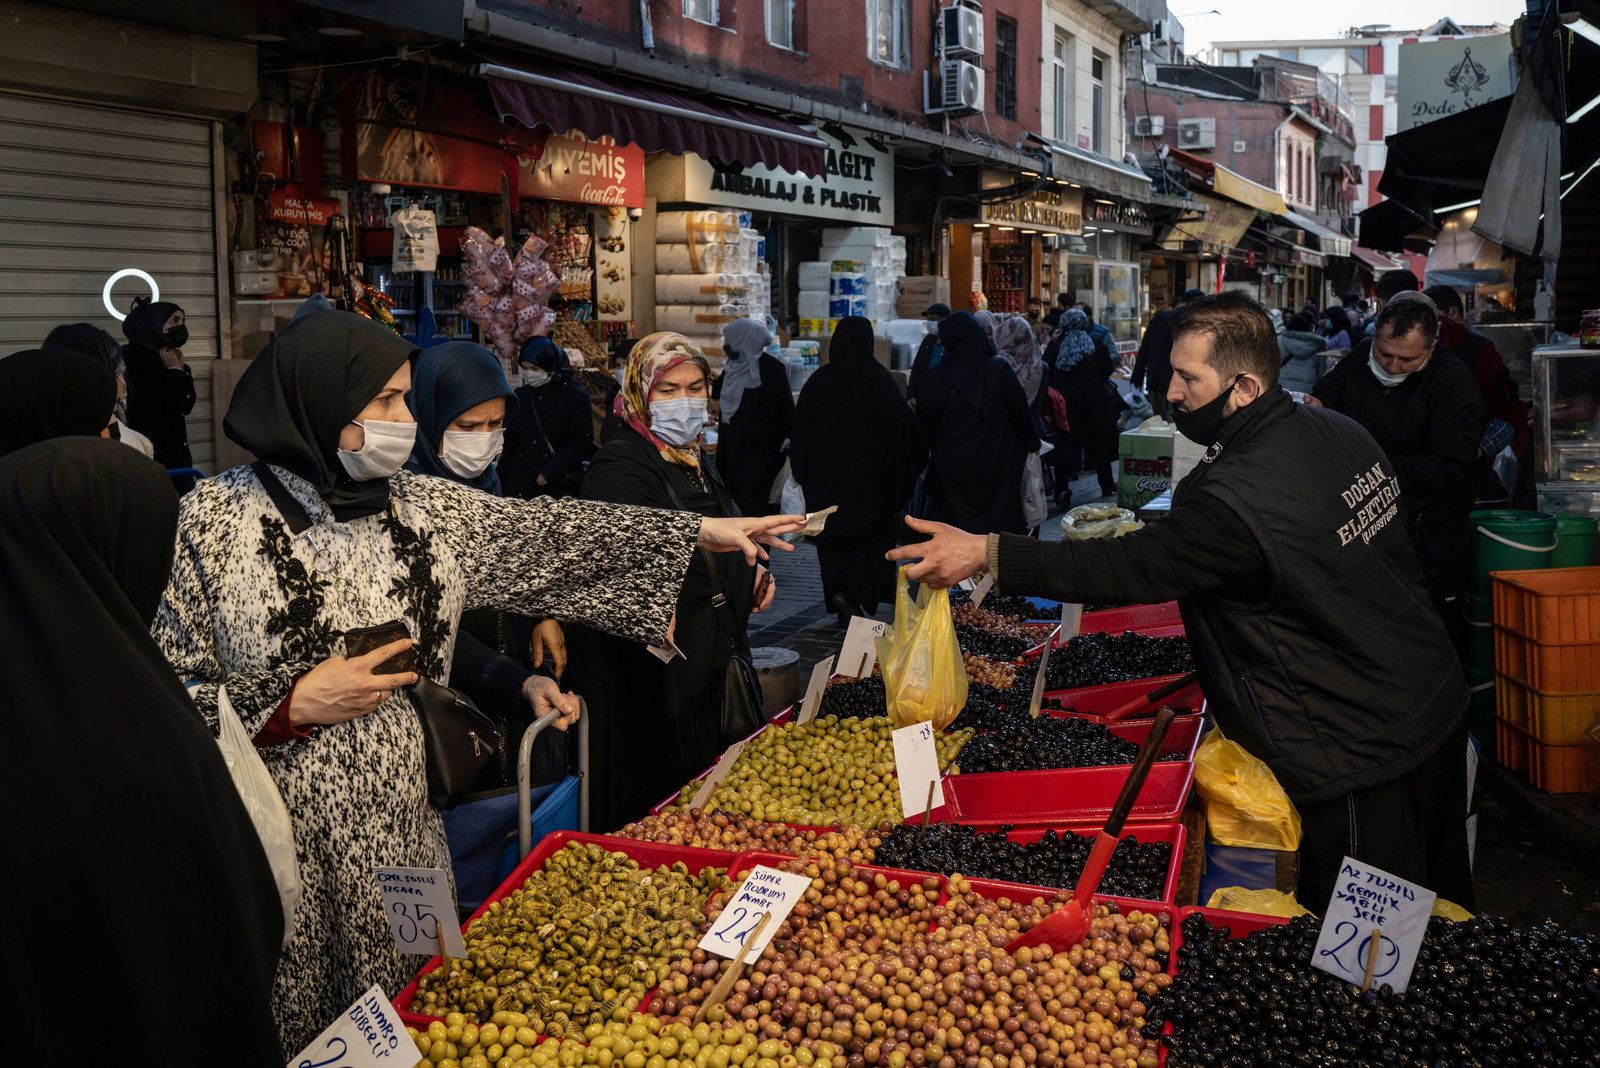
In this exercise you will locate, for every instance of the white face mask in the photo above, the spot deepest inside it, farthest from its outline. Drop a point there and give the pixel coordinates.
(468, 453)
(1385, 377)
(678, 421)
(386, 449)
(533, 376)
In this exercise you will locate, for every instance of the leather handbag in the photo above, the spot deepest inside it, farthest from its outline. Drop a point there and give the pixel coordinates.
(458, 738)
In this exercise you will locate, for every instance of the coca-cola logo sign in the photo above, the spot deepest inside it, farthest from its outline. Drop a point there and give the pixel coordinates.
(585, 172)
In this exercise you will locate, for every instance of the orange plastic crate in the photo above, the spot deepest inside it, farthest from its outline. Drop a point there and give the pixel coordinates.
(1510, 747)
(1564, 769)
(1558, 669)
(1558, 606)
(1551, 718)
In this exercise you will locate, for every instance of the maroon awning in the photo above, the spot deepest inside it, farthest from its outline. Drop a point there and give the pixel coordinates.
(655, 119)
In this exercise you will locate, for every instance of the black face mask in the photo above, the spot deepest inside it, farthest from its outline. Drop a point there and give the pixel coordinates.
(176, 337)
(1202, 425)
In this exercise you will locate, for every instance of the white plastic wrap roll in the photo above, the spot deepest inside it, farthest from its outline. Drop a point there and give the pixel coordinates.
(866, 255)
(721, 257)
(700, 227)
(697, 320)
(722, 288)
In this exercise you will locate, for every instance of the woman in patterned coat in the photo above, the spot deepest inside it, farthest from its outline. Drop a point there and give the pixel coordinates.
(260, 598)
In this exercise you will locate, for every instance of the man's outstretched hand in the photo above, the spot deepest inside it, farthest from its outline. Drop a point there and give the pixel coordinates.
(949, 555)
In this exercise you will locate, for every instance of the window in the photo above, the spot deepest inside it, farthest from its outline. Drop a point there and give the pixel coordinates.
(701, 11)
(1061, 72)
(886, 27)
(780, 23)
(1097, 101)
(1005, 67)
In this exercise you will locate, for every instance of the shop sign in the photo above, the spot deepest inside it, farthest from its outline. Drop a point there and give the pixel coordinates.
(857, 187)
(1309, 258)
(437, 138)
(1120, 215)
(581, 171)
(1439, 78)
(1222, 226)
(289, 205)
(1058, 212)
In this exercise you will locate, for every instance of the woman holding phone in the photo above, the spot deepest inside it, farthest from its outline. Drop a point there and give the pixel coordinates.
(326, 534)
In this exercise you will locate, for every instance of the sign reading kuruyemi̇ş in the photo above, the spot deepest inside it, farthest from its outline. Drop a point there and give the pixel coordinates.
(858, 186)
(1440, 78)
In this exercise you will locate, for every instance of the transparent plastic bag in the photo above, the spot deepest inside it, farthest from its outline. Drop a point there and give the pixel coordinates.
(1035, 506)
(265, 805)
(1245, 806)
(1097, 521)
(924, 677)
(1260, 902)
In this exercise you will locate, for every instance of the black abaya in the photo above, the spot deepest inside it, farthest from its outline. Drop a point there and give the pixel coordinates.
(655, 726)
(750, 447)
(857, 445)
(53, 393)
(976, 421)
(142, 867)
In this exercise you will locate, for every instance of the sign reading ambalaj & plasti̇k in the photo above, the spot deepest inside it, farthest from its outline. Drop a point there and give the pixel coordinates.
(857, 186)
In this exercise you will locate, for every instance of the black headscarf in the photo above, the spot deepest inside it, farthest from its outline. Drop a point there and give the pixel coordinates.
(147, 321)
(548, 357)
(114, 772)
(315, 377)
(88, 339)
(449, 379)
(52, 393)
(1338, 319)
(966, 356)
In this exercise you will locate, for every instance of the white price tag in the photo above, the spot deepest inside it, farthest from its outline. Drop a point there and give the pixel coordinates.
(1373, 911)
(717, 774)
(764, 892)
(965, 584)
(420, 908)
(368, 1034)
(916, 762)
(860, 651)
(1071, 622)
(981, 590)
(813, 698)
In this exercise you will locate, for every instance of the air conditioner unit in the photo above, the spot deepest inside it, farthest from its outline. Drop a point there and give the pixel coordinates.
(1197, 133)
(959, 87)
(961, 32)
(1149, 125)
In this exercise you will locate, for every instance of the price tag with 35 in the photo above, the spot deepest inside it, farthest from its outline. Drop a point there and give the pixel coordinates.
(421, 910)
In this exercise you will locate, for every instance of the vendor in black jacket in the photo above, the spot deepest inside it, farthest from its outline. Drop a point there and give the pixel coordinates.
(1427, 415)
(1317, 646)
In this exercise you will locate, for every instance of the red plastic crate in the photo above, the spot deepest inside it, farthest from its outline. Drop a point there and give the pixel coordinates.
(1555, 606)
(652, 854)
(1131, 617)
(1092, 702)
(1547, 668)
(1081, 795)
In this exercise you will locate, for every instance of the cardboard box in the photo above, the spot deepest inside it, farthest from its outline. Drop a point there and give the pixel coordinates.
(917, 292)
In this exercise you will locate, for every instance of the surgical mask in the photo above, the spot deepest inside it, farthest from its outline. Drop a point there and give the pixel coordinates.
(1385, 377)
(177, 337)
(533, 376)
(678, 421)
(468, 453)
(385, 451)
(1202, 425)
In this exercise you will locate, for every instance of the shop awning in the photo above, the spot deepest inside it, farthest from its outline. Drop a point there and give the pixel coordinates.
(1389, 224)
(1376, 261)
(1221, 227)
(653, 118)
(1095, 171)
(1237, 187)
(1330, 241)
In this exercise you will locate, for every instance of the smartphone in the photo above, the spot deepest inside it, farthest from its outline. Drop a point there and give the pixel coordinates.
(359, 641)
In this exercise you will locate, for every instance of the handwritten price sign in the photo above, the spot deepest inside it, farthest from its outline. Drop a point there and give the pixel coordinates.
(860, 651)
(916, 762)
(368, 1034)
(421, 909)
(764, 892)
(1374, 924)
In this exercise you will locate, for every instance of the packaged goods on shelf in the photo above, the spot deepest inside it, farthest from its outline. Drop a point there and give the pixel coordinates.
(812, 305)
(866, 255)
(839, 307)
(817, 326)
(719, 288)
(814, 274)
(733, 255)
(700, 227)
(698, 318)
(847, 283)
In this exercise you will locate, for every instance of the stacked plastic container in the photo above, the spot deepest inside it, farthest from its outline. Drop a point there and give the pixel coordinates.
(856, 273)
(709, 272)
(1547, 676)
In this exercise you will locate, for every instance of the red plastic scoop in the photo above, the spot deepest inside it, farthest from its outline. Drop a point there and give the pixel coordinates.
(1068, 925)
(1155, 697)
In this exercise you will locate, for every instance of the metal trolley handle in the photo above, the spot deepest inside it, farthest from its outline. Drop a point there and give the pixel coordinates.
(524, 774)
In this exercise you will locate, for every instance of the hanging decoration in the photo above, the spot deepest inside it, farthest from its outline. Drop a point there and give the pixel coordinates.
(508, 299)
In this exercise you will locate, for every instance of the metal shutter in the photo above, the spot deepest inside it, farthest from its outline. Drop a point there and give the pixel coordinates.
(86, 190)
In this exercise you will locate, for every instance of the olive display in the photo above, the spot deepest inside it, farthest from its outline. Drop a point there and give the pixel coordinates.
(892, 973)
(1001, 604)
(825, 773)
(989, 709)
(1137, 869)
(580, 942)
(854, 698)
(736, 832)
(1483, 993)
(1047, 742)
(1097, 658)
(990, 672)
(990, 634)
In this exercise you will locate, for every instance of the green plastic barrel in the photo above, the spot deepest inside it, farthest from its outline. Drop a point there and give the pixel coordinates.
(1480, 634)
(1507, 540)
(1480, 713)
(1574, 541)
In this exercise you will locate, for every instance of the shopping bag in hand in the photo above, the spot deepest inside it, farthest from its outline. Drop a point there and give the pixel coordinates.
(924, 677)
(1245, 806)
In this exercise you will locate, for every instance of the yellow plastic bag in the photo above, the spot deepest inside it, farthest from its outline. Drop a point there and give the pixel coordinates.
(924, 678)
(1449, 910)
(1245, 806)
(1260, 902)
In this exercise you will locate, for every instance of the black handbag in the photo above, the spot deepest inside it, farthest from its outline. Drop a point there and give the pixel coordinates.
(743, 708)
(459, 739)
